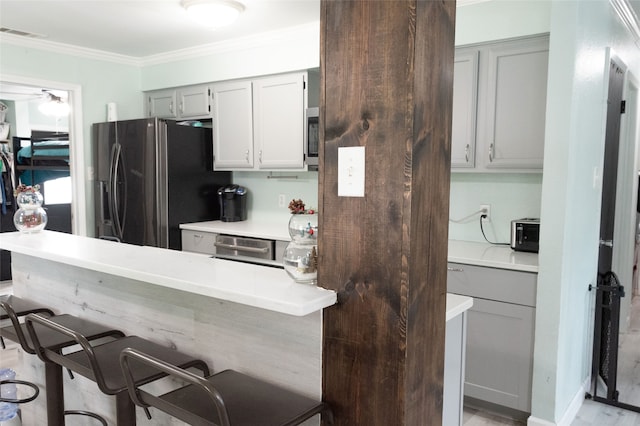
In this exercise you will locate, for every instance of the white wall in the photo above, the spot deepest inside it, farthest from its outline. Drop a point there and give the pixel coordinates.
(570, 211)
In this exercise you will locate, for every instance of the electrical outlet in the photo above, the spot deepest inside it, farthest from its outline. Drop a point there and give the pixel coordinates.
(281, 201)
(486, 210)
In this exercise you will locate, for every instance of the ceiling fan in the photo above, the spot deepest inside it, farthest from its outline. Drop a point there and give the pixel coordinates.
(27, 93)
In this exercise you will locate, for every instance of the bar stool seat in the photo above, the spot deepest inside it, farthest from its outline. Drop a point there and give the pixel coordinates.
(19, 307)
(228, 398)
(15, 308)
(100, 363)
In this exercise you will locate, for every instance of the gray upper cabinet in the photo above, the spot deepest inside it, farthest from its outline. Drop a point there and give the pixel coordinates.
(511, 105)
(190, 102)
(516, 104)
(465, 102)
(162, 103)
(233, 125)
(259, 124)
(278, 121)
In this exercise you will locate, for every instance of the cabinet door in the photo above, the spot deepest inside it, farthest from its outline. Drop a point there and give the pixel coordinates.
(162, 103)
(465, 101)
(499, 361)
(279, 121)
(194, 102)
(232, 126)
(516, 104)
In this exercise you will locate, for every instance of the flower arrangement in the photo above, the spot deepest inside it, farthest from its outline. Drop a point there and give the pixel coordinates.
(24, 188)
(298, 207)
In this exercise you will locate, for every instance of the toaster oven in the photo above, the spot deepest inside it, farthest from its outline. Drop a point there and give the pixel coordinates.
(525, 234)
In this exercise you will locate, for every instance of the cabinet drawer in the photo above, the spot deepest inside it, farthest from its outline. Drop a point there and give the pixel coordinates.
(493, 284)
(198, 242)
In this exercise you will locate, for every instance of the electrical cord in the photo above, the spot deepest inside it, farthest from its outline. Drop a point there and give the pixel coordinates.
(466, 218)
(485, 237)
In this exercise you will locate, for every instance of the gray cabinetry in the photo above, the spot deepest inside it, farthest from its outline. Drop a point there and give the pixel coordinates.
(500, 333)
(199, 242)
(516, 104)
(259, 124)
(507, 82)
(188, 102)
(233, 125)
(465, 101)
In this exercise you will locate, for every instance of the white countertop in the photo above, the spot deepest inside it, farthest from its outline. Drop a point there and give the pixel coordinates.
(467, 252)
(259, 286)
(493, 256)
(457, 304)
(268, 227)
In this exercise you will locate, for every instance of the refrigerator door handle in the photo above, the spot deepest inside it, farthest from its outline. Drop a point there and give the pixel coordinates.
(114, 199)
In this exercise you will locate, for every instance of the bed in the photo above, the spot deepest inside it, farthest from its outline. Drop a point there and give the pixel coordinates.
(42, 157)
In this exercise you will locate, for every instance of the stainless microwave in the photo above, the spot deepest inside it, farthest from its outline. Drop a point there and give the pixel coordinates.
(312, 135)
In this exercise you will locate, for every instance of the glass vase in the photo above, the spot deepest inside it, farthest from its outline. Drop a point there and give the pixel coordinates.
(30, 216)
(301, 262)
(303, 228)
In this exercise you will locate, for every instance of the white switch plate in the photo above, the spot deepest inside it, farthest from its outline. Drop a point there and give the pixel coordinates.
(351, 171)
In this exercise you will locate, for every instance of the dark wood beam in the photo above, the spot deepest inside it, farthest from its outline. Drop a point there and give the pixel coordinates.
(386, 85)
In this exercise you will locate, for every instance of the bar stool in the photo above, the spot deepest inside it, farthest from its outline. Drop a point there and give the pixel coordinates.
(228, 398)
(16, 308)
(19, 307)
(101, 363)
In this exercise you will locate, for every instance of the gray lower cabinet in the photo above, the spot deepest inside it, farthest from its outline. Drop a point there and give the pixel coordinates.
(500, 333)
(198, 242)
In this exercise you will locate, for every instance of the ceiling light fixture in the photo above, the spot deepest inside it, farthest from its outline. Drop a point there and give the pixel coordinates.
(54, 106)
(213, 13)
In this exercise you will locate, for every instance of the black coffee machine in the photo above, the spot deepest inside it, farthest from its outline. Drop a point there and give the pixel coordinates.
(233, 203)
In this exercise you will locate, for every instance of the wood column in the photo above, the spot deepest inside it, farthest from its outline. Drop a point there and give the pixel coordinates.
(386, 84)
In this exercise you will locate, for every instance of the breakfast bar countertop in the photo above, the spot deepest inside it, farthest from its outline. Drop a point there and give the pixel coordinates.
(259, 286)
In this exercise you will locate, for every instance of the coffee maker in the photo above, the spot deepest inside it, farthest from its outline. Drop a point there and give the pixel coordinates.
(233, 203)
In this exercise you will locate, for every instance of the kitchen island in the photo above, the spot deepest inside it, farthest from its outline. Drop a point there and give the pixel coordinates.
(251, 318)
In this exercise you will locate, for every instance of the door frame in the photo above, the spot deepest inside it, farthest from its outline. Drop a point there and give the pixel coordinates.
(76, 145)
(627, 188)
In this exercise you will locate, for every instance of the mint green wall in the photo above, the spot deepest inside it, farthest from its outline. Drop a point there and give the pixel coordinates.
(499, 19)
(297, 49)
(576, 114)
(264, 191)
(101, 82)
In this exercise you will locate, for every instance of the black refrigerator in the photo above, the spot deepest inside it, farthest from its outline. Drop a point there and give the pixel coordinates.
(151, 175)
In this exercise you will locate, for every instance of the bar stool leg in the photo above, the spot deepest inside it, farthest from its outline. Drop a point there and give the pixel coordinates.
(125, 410)
(55, 394)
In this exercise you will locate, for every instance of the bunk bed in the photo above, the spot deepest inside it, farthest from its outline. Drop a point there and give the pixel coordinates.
(41, 158)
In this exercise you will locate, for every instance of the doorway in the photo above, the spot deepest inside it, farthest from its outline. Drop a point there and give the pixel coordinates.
(612, 369)
(76, 144)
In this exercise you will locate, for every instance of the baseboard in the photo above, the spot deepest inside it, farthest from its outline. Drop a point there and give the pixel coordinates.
(570, 413)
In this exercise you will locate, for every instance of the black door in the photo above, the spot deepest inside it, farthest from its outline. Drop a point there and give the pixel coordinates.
(609, 289)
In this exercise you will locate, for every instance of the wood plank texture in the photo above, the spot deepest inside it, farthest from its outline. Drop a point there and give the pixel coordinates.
(386, 84)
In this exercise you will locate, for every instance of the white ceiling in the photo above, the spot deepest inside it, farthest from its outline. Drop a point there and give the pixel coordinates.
(141, 28)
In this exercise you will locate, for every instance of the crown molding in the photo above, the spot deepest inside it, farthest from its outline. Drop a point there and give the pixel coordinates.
(68, 49)
(628, 17)
(242, 43)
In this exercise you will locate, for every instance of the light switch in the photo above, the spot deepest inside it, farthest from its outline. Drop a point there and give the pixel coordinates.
(351, 171)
